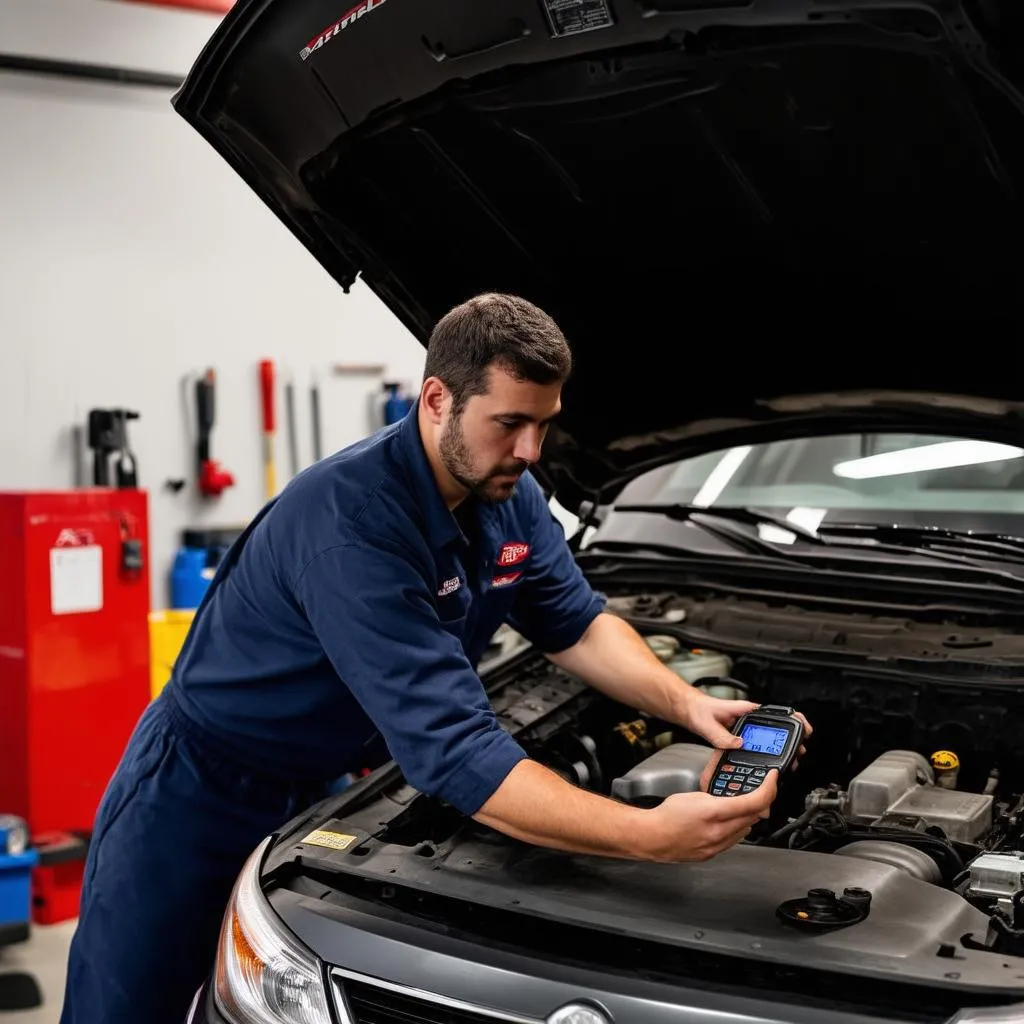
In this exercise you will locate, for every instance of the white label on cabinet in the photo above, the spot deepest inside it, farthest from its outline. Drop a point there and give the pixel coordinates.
(76, 579)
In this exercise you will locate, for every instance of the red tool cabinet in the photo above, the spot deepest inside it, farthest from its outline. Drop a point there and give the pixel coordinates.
(74, 648)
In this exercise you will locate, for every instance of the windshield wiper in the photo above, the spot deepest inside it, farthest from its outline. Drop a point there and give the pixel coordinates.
(724, 530)
(749, 516)
(989, 546)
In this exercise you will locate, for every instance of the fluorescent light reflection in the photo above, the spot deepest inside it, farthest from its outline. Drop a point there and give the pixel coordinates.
(944, 455)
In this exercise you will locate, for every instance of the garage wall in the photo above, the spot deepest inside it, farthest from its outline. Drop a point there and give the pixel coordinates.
(131, 259)
(135, 35)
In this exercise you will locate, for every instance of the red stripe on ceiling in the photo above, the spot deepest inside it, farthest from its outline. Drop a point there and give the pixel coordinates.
(213, 6)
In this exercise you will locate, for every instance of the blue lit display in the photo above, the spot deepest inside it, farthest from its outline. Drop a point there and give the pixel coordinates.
(764, 739)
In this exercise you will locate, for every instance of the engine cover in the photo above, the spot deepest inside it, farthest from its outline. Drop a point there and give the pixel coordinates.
(676, 768)
(901, 784)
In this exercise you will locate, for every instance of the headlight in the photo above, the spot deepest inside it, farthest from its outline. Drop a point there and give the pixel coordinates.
(263, 975)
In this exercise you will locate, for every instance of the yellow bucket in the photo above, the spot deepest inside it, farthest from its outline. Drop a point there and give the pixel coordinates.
(167, 632)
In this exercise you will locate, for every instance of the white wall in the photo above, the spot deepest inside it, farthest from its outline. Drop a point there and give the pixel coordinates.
(124, 34)
(131, 258)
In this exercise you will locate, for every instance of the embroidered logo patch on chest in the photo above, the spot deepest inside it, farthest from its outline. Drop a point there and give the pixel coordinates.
(513, 554)
(506, 579)
(449, 586)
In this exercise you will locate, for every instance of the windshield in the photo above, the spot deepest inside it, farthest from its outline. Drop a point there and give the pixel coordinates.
(906, 479)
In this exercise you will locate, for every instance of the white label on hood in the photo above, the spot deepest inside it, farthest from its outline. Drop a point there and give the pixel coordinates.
(569, 17)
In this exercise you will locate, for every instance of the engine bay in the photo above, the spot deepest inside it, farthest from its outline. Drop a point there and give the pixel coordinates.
(923, 811)
(895, 845)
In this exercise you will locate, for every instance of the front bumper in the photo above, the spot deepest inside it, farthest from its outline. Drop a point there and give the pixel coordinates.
(362, 999)
(384, 973)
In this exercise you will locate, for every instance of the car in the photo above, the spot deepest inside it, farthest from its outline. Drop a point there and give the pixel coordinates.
(783, 239)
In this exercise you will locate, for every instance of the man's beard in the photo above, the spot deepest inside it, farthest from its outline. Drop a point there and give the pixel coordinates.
(455, 458)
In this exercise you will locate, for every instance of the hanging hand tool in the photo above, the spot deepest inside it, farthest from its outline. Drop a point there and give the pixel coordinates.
(213, 478)
(314, 405)
(107, 435)
(126, 467)
(267, 393)
(293, 437)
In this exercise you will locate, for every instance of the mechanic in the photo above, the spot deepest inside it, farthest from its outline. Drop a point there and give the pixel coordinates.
(356, 606)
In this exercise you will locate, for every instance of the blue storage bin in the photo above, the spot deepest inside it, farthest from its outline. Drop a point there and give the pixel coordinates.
(16, 893)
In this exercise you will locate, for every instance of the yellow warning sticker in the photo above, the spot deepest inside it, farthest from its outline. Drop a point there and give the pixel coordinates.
(332, 840)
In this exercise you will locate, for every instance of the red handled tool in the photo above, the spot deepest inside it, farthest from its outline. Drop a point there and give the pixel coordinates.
(267, 394)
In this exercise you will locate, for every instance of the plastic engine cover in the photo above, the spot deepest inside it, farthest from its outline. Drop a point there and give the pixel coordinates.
(901, 783)
(676, 768)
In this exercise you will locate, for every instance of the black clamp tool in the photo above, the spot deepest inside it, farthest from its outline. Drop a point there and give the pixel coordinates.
(108, 434)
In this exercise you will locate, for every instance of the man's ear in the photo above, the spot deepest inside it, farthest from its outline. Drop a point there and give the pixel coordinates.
(434, 399)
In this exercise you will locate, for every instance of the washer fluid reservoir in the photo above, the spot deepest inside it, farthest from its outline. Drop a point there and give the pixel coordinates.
(695, 664)
(713, 666)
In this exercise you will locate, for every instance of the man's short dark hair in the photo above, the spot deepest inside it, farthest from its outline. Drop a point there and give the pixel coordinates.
(495, 329)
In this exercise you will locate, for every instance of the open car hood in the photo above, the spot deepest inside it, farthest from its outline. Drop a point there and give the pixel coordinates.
(752, 219)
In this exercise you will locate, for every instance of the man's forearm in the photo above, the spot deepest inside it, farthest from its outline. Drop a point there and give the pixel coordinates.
(613, 658)
(538, 806)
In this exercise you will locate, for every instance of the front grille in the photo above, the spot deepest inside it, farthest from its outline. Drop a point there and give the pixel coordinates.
(370, 1004)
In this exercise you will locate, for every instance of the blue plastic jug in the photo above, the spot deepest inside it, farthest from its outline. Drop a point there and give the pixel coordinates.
(189, 577)
(397, 405)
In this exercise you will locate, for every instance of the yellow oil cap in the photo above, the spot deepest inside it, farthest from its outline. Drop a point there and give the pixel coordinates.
(945, 761)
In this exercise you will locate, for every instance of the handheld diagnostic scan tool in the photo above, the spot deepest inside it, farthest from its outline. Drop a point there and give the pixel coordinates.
(771, 737)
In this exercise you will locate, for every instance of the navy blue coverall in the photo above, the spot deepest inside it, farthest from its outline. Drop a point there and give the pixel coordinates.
(354, 606)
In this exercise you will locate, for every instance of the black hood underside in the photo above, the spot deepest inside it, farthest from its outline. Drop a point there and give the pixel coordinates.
(722, 203)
